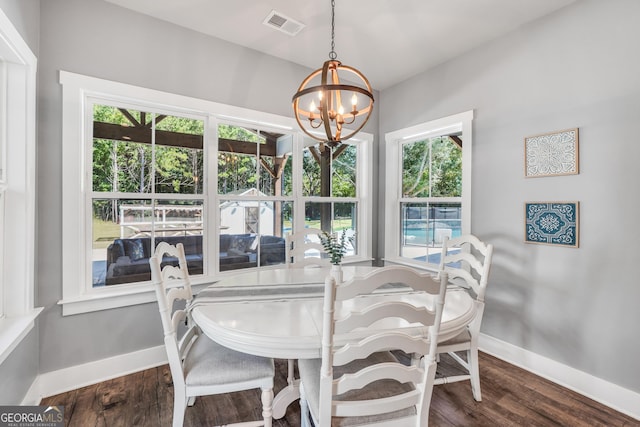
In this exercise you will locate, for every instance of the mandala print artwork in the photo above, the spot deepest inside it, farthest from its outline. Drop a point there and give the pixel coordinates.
(554, 223)
(552, 154)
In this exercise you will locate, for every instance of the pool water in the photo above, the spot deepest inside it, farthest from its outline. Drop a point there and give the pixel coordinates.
(424, 236)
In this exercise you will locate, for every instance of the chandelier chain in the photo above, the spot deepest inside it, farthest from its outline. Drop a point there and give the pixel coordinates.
(333, 55)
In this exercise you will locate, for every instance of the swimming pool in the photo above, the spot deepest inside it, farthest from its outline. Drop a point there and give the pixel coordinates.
(430, 235)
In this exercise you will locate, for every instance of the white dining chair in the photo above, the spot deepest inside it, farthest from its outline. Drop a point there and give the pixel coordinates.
(304, 249)
(467, 262)
(358, 380)
(200, 366)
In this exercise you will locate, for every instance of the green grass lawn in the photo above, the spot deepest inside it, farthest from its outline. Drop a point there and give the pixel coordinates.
(104, 232)
(338, 224)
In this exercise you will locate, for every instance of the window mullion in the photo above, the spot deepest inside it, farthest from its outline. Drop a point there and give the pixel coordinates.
(152, 178)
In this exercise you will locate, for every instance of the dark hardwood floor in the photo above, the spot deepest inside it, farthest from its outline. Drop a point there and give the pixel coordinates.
(511, 397)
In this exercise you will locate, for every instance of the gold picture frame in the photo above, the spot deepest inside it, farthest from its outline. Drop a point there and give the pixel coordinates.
(551, 154)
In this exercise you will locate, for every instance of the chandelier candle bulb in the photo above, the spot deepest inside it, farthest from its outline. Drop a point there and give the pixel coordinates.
(312, 108)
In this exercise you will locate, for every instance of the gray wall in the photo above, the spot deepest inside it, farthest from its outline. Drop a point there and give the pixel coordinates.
(20, 368)
(576, 68)
(99, 39)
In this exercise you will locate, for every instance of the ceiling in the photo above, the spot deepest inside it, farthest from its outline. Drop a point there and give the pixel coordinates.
(388, 41)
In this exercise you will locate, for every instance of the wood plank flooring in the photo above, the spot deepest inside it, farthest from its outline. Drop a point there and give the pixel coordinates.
(511, 397)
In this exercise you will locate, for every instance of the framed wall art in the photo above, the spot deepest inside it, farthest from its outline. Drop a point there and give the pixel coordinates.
(551, 154)
(552, 223)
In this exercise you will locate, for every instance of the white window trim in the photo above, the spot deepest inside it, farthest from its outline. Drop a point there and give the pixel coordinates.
(17, 279)
(393, 146)
(77, 296)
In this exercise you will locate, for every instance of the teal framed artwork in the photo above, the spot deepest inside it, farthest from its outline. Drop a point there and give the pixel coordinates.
(552, 223)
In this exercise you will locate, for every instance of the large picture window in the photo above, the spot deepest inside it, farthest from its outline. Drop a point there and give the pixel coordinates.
(428, 184)
(255, 196)
(331, 192)
(147, 179)
(143, 166)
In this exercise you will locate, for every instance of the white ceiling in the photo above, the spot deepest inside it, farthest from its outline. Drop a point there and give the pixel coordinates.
(388, 41)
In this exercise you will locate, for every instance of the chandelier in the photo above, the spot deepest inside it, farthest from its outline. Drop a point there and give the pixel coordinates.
(324, 91)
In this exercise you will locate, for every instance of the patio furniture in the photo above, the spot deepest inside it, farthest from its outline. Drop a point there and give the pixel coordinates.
(128, 258)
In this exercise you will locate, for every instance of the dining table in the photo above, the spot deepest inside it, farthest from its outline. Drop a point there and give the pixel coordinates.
(277, 313)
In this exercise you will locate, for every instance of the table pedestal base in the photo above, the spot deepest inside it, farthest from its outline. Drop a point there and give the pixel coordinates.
(284, 398)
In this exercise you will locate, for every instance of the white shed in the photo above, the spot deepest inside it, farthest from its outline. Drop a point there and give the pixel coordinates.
(247, 216)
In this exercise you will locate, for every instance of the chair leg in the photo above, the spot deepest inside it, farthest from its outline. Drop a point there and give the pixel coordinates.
(304, 409)
(179, 409)
(474, 372)
(267, 406)
(290, 371)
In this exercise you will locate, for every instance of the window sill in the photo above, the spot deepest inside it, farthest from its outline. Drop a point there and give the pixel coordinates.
(14, 329)
(120, 296)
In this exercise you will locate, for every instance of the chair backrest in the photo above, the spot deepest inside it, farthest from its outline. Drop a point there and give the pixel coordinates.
(304, 249)
(467, 258)
(372, 321)
(176, 342)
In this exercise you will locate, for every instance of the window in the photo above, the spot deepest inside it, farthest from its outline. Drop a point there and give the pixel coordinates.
(332, 190)
(3, 180)
(143, 166)
(255, 196)
(17, 187)
(147, 169)
(428, 188)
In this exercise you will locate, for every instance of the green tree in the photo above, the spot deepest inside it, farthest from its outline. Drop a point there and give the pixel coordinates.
(432, 168)
(127, 166)
(237, 171)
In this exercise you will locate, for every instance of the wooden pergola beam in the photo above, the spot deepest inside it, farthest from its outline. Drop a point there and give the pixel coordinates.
(278, 166)
(142, 134)
(456, 140)
(339, 151)
(242, 147)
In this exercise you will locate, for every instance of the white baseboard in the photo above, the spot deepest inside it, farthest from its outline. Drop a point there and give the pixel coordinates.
(609, 394)
(73, 377)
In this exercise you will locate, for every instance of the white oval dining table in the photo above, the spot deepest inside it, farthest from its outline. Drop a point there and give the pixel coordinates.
(277, 313)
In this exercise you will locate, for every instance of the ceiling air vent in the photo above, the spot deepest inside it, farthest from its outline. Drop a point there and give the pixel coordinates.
(283, 23)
